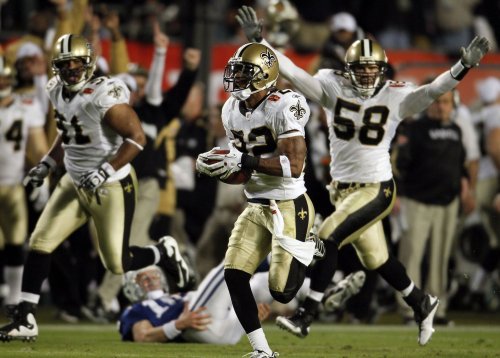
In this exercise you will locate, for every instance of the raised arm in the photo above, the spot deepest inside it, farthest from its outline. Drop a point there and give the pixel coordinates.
(302, 81)
(423, 96)
(155, 78)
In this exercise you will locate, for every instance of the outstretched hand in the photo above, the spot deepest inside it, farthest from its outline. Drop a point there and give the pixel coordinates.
(197, 319)
(251, 25)
(472, 55)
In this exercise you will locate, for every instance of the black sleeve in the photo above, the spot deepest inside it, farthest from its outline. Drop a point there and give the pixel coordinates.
(175, 97)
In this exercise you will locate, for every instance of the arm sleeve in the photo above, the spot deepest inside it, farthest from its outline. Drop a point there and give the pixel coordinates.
(41, 95)
(419, 99)
(155, 78)
(175, 97)
(302, 81)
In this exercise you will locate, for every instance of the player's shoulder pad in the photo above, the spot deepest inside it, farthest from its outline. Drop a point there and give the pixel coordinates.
(282, 97)
(51, 84)
(397, 84)
(106, 86)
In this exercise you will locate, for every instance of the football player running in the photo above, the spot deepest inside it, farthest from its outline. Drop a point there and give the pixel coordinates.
(21, 131)
(363, 112)
(266, 131)
(98, 135)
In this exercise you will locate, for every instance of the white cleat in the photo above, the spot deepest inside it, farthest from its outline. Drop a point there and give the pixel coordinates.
(336, 298)
(425, 319)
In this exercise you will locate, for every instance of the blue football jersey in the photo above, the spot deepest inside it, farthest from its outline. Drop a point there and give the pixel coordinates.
(158, 312)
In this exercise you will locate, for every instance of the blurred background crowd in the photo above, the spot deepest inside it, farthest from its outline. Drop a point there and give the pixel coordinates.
(192, 40)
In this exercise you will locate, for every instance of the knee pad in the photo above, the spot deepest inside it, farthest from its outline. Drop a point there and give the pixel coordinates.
(294, 281)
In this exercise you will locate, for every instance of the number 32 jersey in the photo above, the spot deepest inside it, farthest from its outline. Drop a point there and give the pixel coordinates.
(87, 140)
(281, 114)
(361, 130)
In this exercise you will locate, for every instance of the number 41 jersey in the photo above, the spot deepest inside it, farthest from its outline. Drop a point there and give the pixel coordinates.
(87, 141)
(281, 114)
(361, 129)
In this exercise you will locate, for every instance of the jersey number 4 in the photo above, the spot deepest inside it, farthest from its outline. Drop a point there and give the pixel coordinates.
(370, 133)
(15, 133)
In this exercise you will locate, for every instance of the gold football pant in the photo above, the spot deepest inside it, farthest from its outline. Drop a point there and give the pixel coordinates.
(111, 207)
(357, 219)
(252, 239)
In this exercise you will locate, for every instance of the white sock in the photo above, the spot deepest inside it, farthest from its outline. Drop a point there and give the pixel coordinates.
(478, 280)
(156, 253)
(13, 278)
(408, 290)
(315, 295)
(258, 341)
(30, 297)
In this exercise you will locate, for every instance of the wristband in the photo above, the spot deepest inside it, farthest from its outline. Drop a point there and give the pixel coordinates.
(459, 70)
(170, 331)
(108, 169)
(285, 166)
(249, 161)
(49, 161)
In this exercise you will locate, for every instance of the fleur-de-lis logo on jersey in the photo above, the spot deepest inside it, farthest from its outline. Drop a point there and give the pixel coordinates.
(387, 192)
(302, 214)
(268, 58)
(115, 92)
(128, 188)
(297, 110)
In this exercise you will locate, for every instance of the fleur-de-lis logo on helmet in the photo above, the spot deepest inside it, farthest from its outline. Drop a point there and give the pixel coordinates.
(297, 110)
(268, 58)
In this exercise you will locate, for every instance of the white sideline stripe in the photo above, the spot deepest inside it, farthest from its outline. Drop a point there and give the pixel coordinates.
(318, 327)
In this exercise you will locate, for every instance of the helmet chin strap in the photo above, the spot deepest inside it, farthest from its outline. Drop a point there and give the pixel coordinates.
(242, 95)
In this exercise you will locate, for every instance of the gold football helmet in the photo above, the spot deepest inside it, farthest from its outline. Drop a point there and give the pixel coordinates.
(253, 68)
(68, 48)
(366, 64)
(7, 78)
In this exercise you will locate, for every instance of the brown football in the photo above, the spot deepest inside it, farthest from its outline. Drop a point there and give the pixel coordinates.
(239, 177)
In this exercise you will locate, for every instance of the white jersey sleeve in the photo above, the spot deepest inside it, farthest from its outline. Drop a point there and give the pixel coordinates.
(294, 115)
(301, 80)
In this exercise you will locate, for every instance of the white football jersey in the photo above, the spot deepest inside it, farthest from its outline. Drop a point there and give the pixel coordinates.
(87, 141)
(15, 123)
(361, 129)
(281, 114)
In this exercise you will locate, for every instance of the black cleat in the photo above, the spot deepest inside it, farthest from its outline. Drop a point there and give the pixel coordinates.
(298, 324)
(172, 262)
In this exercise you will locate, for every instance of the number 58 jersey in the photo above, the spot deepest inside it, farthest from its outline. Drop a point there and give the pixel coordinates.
(361, 129)
(87, 140)
(281, 114)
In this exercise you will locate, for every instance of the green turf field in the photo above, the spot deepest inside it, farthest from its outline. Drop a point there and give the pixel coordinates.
(85, 340)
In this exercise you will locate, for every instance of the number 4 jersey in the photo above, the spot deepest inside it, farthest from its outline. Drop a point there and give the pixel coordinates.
(16, 120)
(281, 114)
(361, 130)
(87, 141)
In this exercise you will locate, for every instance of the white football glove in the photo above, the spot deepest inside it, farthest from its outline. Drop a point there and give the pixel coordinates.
(231, 163)
(93, 179)
(202, 165)
(250, 24)
(472, 55)
(37, 174)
